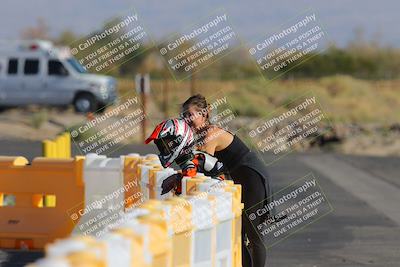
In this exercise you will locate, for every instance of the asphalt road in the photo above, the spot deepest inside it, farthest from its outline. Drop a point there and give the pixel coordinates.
(362, 230)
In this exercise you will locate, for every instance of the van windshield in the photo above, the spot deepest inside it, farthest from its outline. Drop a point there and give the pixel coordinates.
(75, 64)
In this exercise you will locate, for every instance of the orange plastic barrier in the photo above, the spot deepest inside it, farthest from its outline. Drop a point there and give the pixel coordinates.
(35, 199)
(131, 175)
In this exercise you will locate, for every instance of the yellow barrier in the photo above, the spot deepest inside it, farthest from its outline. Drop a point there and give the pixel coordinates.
(236, 190)
(35, 201)
(59, 148)
(137, 245)
(177, 213)
(36, 198)
(160, 241)
(131, 174)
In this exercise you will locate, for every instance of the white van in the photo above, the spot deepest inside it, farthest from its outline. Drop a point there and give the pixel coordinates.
(36, 72)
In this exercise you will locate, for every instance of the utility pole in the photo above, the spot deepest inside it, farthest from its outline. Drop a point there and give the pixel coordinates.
(165, 96)
(144, 104)
(193, 84)
(143, 89)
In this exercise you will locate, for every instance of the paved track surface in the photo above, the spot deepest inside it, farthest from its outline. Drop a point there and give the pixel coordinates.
(362, 230)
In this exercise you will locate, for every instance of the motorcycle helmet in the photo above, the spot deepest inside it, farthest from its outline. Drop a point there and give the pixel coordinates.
(174, 140)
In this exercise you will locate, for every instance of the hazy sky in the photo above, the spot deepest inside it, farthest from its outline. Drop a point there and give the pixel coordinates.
(251, 18)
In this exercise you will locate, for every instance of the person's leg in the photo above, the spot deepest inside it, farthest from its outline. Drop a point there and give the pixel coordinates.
(246, 257)
(257, 249)
(253, 193)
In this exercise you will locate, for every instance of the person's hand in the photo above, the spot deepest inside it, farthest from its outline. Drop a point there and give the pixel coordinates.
(170, 183)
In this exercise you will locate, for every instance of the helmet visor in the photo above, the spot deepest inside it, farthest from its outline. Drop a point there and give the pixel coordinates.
(167, 145)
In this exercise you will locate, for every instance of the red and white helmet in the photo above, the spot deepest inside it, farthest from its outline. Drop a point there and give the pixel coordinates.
(174, 139)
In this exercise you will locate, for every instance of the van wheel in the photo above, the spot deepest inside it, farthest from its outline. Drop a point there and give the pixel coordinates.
(84, 103)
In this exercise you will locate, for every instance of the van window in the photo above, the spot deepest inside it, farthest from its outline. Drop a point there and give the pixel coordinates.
(12, 66)
(55, 67)
(31, 66)
(76, 65)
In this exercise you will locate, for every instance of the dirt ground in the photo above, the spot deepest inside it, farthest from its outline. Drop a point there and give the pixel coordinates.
(37, 124)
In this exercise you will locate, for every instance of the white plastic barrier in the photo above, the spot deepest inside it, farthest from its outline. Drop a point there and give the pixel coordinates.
(141, 254)
(76, 250)
(144, 171)
(104, 192)
(224, 239)
(75, 244)
(204, 232)
(103, 177)
(153, 157)
(105, 188)
(118, 250)
(224, 216)
(51, 262)
(152, 176)
(114, 249)
(151, 235)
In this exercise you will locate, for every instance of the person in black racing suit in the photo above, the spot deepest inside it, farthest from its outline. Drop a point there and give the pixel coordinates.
(243, 166)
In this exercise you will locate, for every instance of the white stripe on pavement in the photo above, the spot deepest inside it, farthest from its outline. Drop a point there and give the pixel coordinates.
(377, 193)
